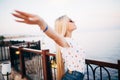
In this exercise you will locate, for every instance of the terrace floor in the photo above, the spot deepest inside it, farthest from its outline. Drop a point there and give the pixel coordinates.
(13, 76)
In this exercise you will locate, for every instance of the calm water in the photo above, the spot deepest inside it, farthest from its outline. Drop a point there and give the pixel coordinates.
(103, 46)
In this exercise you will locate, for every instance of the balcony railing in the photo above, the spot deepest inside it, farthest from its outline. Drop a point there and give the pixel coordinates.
(38, 65)
(101, 70)
(39, 61)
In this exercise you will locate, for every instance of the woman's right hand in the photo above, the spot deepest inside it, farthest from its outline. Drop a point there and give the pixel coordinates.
(28, 18)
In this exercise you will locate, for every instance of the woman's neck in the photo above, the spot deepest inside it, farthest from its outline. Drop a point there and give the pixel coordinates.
(68, 34)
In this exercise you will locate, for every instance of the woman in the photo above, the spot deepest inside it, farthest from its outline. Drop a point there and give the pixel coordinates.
(68, 52)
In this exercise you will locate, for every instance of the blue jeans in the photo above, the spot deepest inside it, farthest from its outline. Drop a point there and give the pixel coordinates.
(75, 75)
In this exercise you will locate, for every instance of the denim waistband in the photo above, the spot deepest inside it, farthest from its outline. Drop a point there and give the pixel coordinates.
(74, 72)
(73, 75)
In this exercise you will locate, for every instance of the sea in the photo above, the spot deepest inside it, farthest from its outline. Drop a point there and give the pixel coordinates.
(101, 45)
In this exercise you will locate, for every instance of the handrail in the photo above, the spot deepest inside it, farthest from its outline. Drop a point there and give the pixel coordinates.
(45, 55)
(101, 63)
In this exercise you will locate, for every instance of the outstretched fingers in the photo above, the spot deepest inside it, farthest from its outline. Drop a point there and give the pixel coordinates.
(22, 21)
(23, 13)
(26, 17)
(19, 16)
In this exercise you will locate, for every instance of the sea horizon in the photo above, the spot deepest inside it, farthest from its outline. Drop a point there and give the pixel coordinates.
(103, 46)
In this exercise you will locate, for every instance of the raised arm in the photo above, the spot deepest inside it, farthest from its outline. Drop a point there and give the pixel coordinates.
(37, 20)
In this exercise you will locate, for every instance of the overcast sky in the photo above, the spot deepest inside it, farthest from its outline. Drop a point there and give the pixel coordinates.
(89, 15)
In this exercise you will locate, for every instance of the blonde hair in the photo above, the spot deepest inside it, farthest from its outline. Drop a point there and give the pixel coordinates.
(61, 28)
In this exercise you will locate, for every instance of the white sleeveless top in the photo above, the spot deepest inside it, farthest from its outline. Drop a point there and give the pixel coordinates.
(74, 56)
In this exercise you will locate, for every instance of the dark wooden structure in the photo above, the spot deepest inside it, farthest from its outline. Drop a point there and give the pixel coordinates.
(4, 47)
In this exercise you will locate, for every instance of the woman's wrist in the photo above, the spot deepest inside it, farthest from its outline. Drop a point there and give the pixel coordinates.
(46, 28)
(43, 26)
